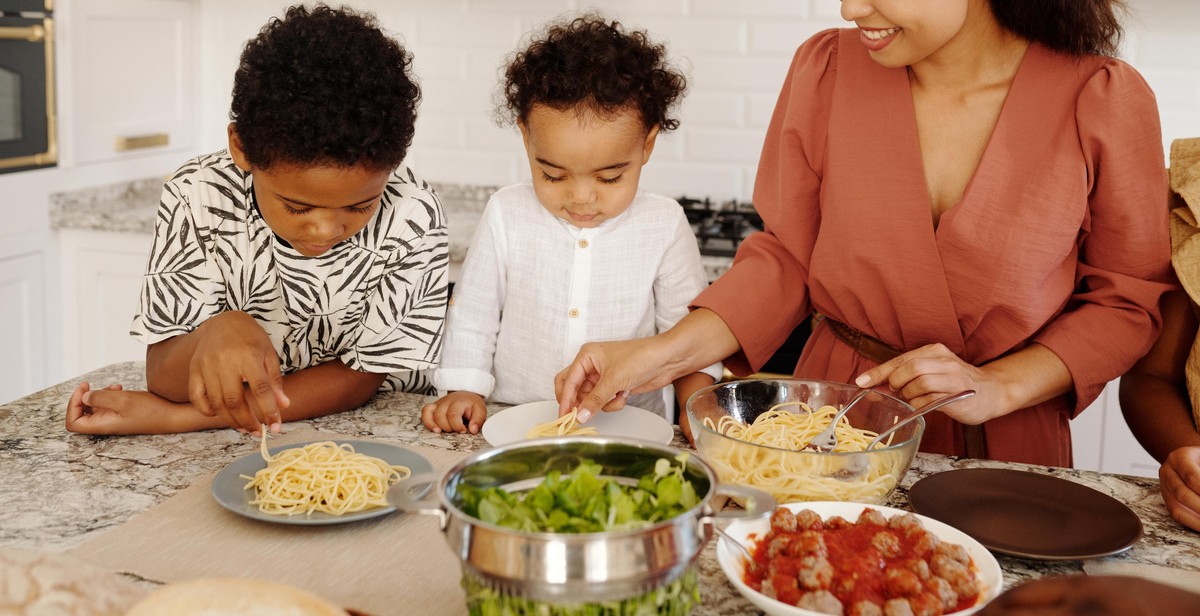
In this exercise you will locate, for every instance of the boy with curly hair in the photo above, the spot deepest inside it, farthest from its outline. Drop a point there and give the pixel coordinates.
(295, 273)
(578, 254)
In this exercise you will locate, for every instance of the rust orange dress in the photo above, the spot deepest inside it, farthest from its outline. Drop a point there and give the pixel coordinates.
(1060, 239)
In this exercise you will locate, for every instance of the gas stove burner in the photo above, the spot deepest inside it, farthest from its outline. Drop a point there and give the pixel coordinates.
(720, 226)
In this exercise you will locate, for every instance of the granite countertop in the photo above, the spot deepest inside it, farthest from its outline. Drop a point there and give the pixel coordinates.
(61, 489)
(130, 207)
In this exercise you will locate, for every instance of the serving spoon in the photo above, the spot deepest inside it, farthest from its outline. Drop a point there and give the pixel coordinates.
(827, 439)
(857, 466)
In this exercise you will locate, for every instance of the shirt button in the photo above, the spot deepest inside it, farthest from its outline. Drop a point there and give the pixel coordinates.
(574, 313)
(583, 243)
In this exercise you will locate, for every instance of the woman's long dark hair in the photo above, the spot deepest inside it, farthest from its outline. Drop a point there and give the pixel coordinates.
(1075, 27)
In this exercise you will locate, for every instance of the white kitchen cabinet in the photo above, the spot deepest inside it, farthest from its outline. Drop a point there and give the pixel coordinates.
(130, 70)
(22, 325)
(101, 283)
(1103, 442)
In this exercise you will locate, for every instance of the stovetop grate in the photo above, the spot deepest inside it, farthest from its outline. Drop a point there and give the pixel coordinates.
(720, 226)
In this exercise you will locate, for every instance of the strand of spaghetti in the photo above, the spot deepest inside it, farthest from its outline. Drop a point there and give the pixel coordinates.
(563, 426)
(785, 429)
(324, 477)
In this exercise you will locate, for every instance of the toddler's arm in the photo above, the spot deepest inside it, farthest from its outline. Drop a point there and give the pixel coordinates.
(685, 386)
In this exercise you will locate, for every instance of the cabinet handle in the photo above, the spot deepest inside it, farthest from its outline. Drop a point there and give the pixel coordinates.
(32, 34)
(138, 142)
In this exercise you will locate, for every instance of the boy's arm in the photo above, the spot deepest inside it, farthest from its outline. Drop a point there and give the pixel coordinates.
(685, 386)
(1154, 392)
(320, 390)
(226, 368)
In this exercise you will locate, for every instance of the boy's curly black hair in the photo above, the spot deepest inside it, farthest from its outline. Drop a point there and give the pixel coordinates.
(592, 62)
(325, 86)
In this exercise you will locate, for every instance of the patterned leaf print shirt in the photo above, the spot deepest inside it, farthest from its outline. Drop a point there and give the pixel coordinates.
(376, 301)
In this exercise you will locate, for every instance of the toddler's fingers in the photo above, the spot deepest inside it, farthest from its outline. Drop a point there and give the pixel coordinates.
(427, 418)
(478, 414)
(455, 416)
(439, 417)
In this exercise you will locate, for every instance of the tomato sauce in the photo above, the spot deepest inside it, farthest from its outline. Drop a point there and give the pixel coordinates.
(859, 556)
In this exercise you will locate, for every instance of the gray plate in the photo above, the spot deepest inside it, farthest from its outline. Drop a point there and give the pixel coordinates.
(229, 489)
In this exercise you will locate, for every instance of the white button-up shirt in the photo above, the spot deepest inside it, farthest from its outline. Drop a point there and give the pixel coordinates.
(534, 288)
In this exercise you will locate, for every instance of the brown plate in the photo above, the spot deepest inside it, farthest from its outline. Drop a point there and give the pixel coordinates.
(1026, 514)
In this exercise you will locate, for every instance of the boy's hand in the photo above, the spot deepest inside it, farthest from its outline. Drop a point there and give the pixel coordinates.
(114, 411)
(448, 413)
(233, 363)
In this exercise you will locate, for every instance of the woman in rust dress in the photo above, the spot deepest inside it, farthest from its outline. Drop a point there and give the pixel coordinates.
(968, 195)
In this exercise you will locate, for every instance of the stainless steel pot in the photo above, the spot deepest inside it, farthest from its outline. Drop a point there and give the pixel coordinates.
(584, 567)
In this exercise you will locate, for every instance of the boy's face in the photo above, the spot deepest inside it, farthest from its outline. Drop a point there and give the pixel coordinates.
(313, 208)
(586, 167)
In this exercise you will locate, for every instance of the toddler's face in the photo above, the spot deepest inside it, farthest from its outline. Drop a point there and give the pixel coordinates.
(586, 167)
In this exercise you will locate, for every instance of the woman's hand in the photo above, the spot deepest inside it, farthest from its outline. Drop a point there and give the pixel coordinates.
(931, 372)
(1179, 481)
(448, 413)
(233, 363)
(1095, 595)
(1018, 380)
(605, 373)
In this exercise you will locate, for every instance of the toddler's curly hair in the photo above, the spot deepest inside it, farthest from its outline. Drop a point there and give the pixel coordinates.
(325, 86)
(592, 63)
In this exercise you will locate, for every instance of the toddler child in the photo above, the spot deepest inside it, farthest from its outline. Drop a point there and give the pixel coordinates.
(578, 254)
(295, 273)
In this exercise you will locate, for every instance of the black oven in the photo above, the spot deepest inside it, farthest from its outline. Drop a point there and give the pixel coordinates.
(28, 137)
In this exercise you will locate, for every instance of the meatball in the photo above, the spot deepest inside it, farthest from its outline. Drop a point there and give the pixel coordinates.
(821, 601)
(783, 519)
(919, 567)
(778, 545)
(809, 542)
(887, 544)
(865, 608)
(808, 519)
(872, 516)
(815, 572)
(925, 544)
(897, 607)
(956, 573)
(906, 523)
(901, 583)
(953, 550)
(945, 593)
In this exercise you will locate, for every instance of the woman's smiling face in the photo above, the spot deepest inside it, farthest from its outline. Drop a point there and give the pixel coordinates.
(586, 166)
(904, 32)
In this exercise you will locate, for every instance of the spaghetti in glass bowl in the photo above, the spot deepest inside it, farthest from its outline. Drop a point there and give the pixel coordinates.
(753, 432)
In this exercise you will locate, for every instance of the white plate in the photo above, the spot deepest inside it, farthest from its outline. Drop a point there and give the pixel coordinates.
(511, 424)
(731, 561)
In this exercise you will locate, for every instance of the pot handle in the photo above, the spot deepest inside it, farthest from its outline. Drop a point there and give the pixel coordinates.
(411, 496)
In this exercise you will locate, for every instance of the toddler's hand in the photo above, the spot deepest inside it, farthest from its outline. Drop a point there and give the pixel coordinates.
(449, 412)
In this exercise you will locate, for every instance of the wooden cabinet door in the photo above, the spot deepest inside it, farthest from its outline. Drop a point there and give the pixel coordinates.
(102, 281)
(22, 325)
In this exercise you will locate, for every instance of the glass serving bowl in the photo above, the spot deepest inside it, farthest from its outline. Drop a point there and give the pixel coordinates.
(804, 475)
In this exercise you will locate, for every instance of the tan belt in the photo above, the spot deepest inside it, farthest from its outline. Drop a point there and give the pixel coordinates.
(878, 351)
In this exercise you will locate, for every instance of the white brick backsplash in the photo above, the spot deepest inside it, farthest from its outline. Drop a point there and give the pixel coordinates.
(780, 37)
(726, 110)
(736, 55)
(696, 35)
(723, 145)
(774, 8)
